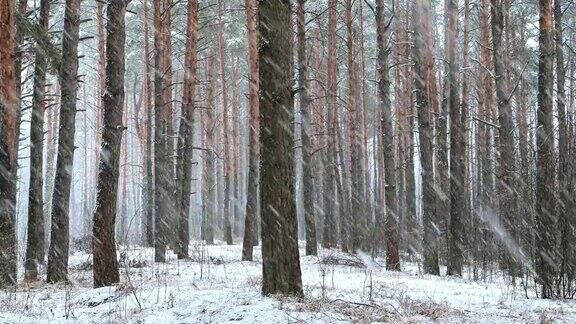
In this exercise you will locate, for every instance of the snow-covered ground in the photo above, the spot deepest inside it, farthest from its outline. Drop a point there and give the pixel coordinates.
(215, 286)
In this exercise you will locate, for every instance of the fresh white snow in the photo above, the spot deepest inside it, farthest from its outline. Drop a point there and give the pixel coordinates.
(214, 286)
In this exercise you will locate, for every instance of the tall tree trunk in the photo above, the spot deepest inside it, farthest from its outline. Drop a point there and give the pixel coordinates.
(186, 127)
(389, 171)
(210, 172)
(59, 243)
(330, 164)
(484, 138)
(546, 256)
(319, 130)
(566, 200)
(100, 88)
(235, 157)
(306, 113)
(8, 140)
(35, 241)
(226, 161)
(253, 131)
(280, 257)
(358, 202)
(507, 164)
(104, 242)
(163, 142)
(149, 173)
(423, 70)
(457, 153)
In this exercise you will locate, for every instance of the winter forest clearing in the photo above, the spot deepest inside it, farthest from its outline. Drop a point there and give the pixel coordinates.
(287, 160)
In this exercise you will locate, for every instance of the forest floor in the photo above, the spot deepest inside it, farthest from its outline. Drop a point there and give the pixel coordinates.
(215, 286)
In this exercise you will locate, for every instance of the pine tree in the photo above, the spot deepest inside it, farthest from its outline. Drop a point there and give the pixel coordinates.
(253, 132)
(280, 256)
(60, 227)
(423, 77)
(35, 241)
(104, 241)
(8, 139)
(186, 127)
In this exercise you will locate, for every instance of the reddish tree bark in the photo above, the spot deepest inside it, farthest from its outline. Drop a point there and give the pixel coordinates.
(8, 140)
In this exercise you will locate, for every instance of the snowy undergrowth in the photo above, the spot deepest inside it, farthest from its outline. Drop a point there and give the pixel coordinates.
(215, 286)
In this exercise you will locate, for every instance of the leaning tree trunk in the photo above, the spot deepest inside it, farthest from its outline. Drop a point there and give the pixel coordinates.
(8, 139)
(35, 242)
(423, 69)
(546, 255)
(306, 113)
(59, 243)
(280, 258)
(186, 127)
(253, 132)
(104, 241)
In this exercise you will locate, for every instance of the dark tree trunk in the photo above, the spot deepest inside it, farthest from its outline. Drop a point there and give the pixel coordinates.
(35, 242)
(457, 153)
(186, 127)
(546, 254)
(104, 242)
(423, 70)
(281, 262)
(163, 143)
(507, 164)
(389, 170)
(59, 243)
(306, 113)
(8, 139)
(149, 190)
(253, 132)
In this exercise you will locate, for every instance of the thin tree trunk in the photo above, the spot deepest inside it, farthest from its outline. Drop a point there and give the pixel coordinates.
(163, 142)
(281, 262)
(253, 132)
(35, 241)
(306, 115)
(186, 127)
(389, 171)
(149, 175)
(226, 161)
(210, 172)
(566, 205)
